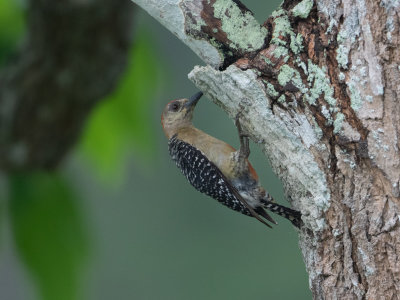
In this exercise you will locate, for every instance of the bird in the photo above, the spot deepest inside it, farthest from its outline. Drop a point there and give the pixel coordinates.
(217, 169)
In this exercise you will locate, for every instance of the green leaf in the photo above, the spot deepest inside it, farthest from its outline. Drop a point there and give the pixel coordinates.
(122, 124)
(48, 232)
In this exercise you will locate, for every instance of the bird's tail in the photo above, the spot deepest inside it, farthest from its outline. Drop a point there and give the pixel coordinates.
(292, 215)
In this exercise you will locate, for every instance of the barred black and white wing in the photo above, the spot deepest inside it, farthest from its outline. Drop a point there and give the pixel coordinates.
(207, 178)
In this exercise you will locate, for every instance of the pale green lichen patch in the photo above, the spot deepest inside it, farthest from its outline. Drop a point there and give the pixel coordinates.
(327, 115)
(390, 26)
(364, 72)
(342, 56)
(282, 99)
(302, 10)
(288, 74)
(319, 85)
(271, 90)
(379, 143)
(347, 35)
(390, 4)
(296, 43)
(302, 65)
(285, 75)
(281, 51)
(278, 12)
(356, 99)
(337, 124)
(282, 29)
(379, 90)
(342, 36)
(242, 29)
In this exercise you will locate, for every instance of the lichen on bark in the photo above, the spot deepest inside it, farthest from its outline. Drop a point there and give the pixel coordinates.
(320, 98)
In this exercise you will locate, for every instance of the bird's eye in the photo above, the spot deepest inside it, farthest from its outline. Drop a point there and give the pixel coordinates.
(174, 106)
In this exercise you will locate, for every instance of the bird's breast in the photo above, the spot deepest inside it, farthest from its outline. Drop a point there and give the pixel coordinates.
(216, 151)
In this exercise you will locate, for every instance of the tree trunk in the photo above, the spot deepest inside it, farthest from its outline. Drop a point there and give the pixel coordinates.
(317, 86)
(73, 55)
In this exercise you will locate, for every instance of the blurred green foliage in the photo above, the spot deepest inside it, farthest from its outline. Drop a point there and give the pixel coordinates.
(47, 227)
(121, 124)
(12, 25)
(48, 232)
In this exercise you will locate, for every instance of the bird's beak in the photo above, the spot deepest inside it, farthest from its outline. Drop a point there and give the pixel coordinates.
(194, 99)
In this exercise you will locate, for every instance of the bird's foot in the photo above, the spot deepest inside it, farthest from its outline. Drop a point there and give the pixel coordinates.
(244, 150)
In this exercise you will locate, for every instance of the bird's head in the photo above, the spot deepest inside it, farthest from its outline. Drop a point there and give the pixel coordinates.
(178, 114)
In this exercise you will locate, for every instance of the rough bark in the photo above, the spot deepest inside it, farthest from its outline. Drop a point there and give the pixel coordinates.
(73, 54)
(318, 93)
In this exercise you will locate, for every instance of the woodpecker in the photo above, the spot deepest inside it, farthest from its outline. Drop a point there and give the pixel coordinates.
(215, 168)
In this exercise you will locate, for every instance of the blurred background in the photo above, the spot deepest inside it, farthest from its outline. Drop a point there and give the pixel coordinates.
(116, 219)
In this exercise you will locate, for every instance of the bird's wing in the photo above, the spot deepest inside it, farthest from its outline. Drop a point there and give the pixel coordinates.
(207, 178)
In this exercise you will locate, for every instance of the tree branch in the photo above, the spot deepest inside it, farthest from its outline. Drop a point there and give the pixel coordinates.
(319, 94)
(219, 32)
(73, 55)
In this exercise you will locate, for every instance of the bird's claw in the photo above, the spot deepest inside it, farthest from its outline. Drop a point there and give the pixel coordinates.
(244, 138)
